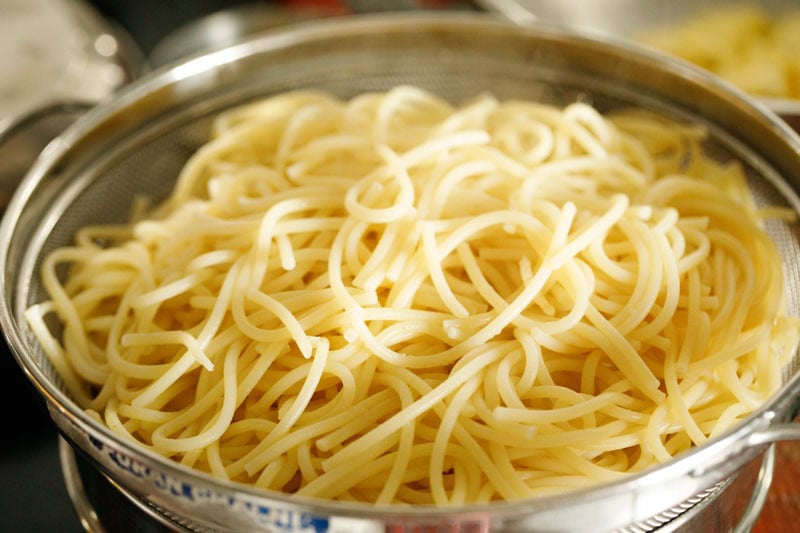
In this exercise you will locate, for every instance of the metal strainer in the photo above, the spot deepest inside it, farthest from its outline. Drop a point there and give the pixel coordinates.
(137, 143)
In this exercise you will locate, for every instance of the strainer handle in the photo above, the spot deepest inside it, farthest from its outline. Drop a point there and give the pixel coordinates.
(24, 136)
(13, 125)
(759, 496)
(775, 433)
(770, 435)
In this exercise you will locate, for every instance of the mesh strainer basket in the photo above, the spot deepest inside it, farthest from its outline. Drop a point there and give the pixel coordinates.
(137, 143)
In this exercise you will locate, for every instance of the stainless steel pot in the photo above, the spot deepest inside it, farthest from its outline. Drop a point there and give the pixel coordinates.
(136, 143)
(58, 58)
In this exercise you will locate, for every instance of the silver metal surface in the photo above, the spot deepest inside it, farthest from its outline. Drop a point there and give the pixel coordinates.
(759, 496)
(74, 485)
(733, 505)
(137, 143)
(86, 506)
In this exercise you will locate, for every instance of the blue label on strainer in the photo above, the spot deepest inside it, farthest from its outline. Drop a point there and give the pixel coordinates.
(271, 518)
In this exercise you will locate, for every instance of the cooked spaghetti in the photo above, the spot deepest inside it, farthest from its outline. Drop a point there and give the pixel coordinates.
(394, 300)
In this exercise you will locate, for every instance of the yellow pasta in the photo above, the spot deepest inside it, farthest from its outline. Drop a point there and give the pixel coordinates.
(394, 300)
(753, 49)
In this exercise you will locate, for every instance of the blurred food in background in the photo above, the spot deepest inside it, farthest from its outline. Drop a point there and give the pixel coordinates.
(757, 51)
(753, 43)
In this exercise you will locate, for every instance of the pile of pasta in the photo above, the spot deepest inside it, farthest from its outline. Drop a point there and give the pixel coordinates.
(755, 50)
(392, 299)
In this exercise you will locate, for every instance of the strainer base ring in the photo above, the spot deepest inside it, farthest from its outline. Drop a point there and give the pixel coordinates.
(88, 488)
